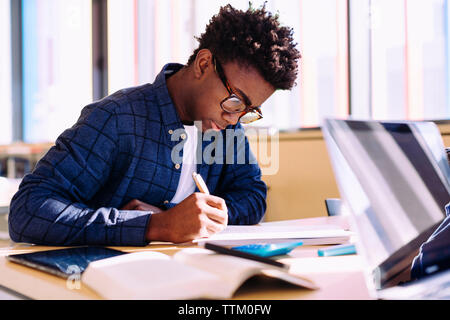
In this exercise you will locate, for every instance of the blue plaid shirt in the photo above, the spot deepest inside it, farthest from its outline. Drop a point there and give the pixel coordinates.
(119, 150)
(434, 254)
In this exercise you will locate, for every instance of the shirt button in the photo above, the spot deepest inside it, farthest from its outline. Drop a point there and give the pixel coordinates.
(170, 131)
(177, 166)
(166, 201)
(183, 136)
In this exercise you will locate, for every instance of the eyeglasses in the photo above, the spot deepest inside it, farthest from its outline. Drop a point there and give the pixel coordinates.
(235, 104)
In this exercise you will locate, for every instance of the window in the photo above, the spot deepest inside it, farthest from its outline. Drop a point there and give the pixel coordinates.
(57, 65)
(400, 56)
(5, 74)
(372, 59)
(144, 35)
(322, 90)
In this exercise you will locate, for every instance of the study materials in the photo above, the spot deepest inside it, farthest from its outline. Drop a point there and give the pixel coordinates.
(64, 262)
(309, 235)
(338, 250)
(244, 255)
(394, 179)
(268, 249)
(201, 185)
(192, 273)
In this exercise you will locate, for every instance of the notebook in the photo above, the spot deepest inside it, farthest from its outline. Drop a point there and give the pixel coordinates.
(393, 177)
(268, 232)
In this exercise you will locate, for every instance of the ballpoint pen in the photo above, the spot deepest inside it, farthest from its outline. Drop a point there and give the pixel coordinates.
(201, 185)
(244, 255)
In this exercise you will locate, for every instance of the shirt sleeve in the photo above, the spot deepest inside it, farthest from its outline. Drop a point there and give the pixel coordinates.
(50, 207)
(241, 186)
(434, 254)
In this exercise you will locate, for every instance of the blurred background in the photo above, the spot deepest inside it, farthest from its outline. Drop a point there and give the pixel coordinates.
(367, 59)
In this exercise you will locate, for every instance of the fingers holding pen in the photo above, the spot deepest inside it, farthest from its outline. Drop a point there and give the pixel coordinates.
(210, 219)
(214, 207)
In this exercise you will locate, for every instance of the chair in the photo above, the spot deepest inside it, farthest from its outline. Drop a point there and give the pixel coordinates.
(334, 206)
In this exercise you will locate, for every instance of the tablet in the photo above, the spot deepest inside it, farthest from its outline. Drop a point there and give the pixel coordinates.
(63, 262)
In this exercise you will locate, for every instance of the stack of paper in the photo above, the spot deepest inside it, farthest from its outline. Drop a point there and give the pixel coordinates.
(310, 235)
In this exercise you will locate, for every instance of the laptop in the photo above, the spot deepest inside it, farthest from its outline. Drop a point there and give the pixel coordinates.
(393, 178)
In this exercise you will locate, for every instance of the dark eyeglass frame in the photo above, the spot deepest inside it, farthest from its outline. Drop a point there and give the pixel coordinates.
(219, 70)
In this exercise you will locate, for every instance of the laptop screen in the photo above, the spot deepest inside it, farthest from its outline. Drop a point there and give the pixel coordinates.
(394, 179)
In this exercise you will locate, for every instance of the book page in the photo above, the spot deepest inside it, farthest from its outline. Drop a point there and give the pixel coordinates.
(151, 275)
(235, 271)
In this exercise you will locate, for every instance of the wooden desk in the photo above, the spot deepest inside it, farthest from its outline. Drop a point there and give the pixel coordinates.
(338, 277)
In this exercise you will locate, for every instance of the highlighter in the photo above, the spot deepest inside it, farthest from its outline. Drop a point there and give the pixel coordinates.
(338, 250)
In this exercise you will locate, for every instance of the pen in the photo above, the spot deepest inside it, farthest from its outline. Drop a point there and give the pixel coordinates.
(245, 255)
(201, 185)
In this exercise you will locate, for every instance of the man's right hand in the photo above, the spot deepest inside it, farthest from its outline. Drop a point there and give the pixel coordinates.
(198, 216)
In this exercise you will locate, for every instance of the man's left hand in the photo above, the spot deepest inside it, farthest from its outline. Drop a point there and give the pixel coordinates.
(140, 206)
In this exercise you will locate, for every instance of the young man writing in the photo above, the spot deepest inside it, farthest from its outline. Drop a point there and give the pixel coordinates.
(111, 178)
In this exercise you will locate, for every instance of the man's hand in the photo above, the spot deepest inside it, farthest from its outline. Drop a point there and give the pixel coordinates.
(198, 216)
(140, 206)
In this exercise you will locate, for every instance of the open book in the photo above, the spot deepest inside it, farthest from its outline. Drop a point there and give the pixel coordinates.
(192, 273)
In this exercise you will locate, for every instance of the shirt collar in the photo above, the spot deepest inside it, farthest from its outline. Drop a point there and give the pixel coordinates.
(169, 115)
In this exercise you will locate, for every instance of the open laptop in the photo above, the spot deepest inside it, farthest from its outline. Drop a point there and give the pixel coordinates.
(393, 178)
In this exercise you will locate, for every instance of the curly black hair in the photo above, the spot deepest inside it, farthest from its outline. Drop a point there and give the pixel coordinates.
(252, 38)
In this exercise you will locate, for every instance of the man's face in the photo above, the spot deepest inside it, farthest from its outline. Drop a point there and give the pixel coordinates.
(244, 82)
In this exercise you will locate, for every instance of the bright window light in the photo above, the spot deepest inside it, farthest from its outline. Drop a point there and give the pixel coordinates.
(400, 55)
(144, 35)
(57, 65)
(5, 74)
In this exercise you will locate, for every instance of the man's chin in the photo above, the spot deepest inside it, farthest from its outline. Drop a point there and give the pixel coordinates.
(215, 126)
(206, 125)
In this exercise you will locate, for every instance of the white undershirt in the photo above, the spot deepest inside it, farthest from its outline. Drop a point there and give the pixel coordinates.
(186, 186)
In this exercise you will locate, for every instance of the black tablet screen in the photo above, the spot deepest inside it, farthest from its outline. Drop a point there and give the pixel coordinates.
(64, 262)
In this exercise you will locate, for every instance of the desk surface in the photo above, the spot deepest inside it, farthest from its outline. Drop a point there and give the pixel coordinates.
(338, 277)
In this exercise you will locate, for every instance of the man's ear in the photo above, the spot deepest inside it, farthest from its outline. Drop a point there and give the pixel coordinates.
(203, 63)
